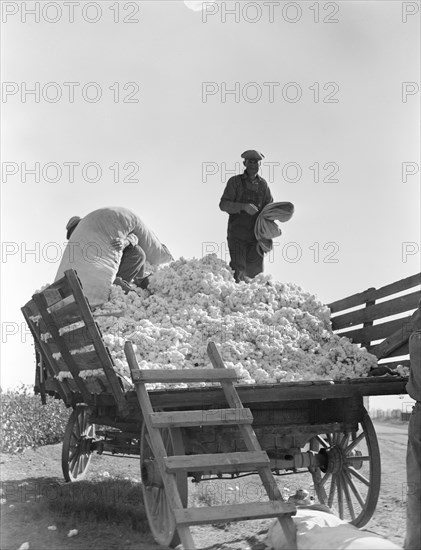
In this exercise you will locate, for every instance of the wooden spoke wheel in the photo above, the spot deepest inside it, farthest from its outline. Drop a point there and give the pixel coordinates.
(348, 478)
(160, 516)
(77, 444)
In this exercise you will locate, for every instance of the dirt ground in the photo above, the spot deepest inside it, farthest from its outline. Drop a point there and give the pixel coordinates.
(43, 466)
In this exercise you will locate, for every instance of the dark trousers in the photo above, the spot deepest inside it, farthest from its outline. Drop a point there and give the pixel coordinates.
(245, 260)
(132, 263)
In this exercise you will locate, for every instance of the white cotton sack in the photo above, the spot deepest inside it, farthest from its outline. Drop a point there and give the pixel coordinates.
(321, 530)
(90, 254)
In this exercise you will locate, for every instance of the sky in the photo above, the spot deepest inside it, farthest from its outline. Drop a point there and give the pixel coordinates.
(149, 105)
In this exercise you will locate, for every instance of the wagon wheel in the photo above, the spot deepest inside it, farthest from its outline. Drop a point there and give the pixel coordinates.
(160, 516)
(349, 478)
(77, 444)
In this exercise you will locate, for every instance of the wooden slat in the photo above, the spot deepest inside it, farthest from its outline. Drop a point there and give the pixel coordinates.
(97, 384)
(377, 332)
(48, 320)
(98, 343)
(398, 352)
(87, 360)
(62, 285)
(398, 286)
(63, 388)
(77, 338)
(56, 292)
(52, 296)
(30, 309)
(57, 306)
(393, 364)
(367, 324)
(67, 315)
(184, 375)
(373, 294)
(397, 340)
(233, 512)
(378, 311)
(222, 462)
(352, 301)
(212, 417)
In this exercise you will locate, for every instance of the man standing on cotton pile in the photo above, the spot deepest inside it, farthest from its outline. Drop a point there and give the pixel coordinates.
(413, 454)
(244, 197)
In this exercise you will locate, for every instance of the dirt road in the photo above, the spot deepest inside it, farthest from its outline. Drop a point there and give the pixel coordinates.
(41, 468)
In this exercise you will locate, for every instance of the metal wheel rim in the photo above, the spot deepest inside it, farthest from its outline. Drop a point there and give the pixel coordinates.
(353, 489)
(158, 511)
(76, 453)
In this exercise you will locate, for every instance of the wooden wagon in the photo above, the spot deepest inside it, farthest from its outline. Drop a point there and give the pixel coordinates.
(318, 429)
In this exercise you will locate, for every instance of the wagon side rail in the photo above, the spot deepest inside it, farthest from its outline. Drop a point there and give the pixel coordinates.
(70, 347)
(384, 320)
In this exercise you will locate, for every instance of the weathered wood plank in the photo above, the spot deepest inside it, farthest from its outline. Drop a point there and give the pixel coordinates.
(98, 342)
(183, 375)
(57, 306)
(77, 338)
(61, 286)
(87, 360)
(233, 512)
(373, 294)
(209, 417)
(377, 332)
(398, 340)
(62, 388)
(39, 299)
(367, 324)
(271, 394)
(398, 352)
(67, 315)
(221, 462)
(393, 364)
(378, 311)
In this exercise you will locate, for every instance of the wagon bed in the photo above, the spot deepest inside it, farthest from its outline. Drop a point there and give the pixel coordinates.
(68, 341)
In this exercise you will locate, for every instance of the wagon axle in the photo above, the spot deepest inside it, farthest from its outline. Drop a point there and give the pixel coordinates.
(333, 460)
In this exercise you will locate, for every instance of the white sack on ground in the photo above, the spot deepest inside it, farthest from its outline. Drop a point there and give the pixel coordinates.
(268, 331)
(320, 530)
(90, 254)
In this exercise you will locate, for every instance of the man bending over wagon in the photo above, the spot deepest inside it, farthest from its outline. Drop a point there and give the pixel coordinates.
(110, 245)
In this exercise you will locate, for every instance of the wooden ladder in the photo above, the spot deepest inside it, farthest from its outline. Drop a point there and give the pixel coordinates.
(253, 459)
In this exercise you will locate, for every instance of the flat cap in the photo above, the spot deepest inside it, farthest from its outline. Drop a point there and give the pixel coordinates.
(74, 220)
(251, 154)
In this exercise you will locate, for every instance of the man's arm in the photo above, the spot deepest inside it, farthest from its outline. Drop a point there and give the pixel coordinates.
(120, 243)
(132, 239)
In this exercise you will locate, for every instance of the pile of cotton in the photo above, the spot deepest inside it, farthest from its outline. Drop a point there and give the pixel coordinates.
(268, 331)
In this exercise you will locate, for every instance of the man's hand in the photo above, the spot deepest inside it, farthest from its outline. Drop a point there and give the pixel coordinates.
(250, 209)
(119, 244)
